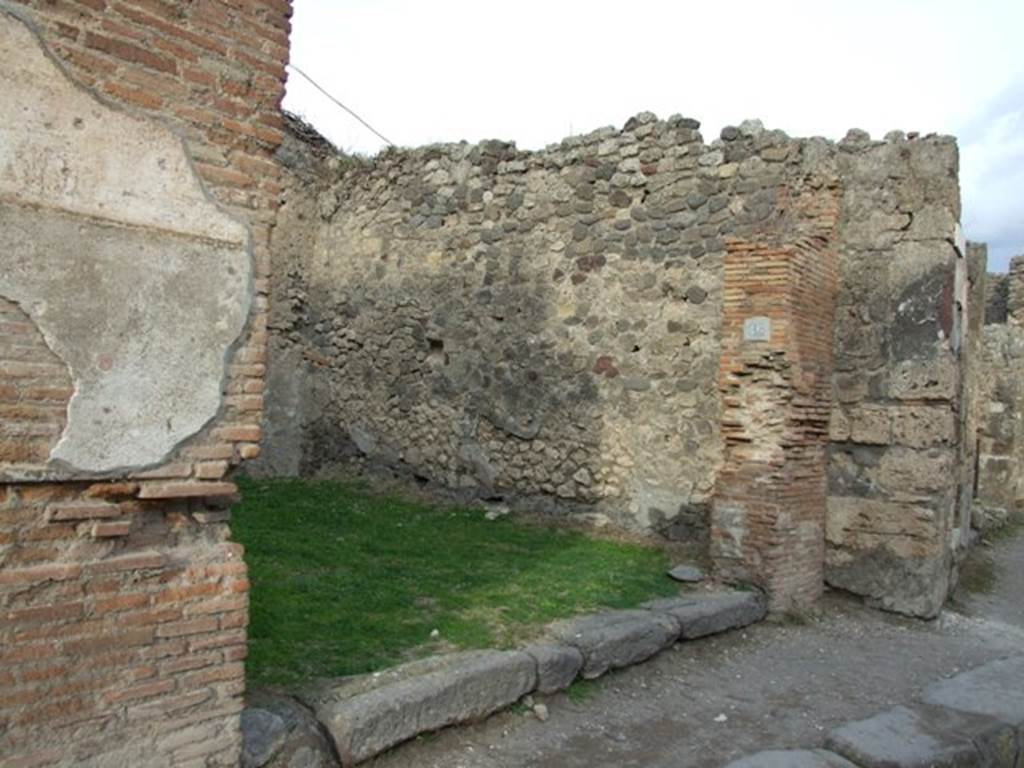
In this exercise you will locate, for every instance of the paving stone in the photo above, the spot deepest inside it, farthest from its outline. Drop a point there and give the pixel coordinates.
(278, 732)
(616, 639)
(925, 736)
(995, 689)
(712, 612)
(557, 666)
(686, 573)
(792, 758)
(368, 714)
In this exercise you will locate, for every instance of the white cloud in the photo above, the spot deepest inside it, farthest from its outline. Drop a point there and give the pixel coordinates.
(536, 71)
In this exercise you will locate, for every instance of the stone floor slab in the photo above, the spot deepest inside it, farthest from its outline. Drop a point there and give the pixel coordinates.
(792, 758)
(925, 736)
(995, 689)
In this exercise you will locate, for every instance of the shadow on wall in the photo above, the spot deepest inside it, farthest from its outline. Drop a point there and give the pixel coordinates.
(541, 328)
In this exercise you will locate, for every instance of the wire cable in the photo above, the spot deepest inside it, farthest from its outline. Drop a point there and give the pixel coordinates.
(320, 88)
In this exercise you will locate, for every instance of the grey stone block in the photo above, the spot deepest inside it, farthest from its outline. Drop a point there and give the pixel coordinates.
(368, 714)
(925, 736)
(995, 689)
(278, 732)
(557, 666)
(616, 639)
(707, 614)
(792, 758)
(686, 573)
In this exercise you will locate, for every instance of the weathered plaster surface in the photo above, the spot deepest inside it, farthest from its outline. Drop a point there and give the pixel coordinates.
(137, 281)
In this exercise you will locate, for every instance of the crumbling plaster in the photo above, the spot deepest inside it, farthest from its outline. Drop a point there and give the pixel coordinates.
(136, 279)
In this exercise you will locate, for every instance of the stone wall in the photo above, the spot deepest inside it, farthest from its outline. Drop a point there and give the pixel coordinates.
(999, 405)
(137, 197)
(893, 479)
(544, 327)
(547, 328)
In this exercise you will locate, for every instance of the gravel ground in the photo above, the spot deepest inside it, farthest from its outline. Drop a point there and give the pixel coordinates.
(775, 685)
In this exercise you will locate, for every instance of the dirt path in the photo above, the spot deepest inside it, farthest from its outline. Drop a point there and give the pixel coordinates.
(708, 702)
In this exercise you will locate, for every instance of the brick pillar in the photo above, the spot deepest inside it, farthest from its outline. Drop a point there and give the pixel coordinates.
(768, 515)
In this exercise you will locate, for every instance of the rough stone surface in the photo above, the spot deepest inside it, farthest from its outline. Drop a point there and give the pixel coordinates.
(369, 714)
(687, 574)
(557, 666)
(707, 614)
(995, 689)
(103, 209)
(278, 732)
(792, 758)
(997, 408)
(617, 639)
(925, 737)
(893, 486)
(462, 312)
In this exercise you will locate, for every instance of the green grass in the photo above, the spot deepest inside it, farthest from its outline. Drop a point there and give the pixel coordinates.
(345, 581)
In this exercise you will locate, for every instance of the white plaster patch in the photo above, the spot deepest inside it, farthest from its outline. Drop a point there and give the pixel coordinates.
(137, 281)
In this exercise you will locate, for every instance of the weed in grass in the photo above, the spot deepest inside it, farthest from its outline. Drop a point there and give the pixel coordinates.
(346, 582)
(581, 690)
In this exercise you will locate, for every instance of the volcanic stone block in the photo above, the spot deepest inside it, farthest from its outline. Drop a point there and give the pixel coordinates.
(995, 689)
(792, 758)
(926, 736)
(708, 614)
(368, 714)
(617, 639)
(557, 666)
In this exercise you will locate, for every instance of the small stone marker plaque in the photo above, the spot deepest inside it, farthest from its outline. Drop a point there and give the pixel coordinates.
(757, 329)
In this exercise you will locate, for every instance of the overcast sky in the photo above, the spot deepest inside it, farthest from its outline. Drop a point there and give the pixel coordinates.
(423, 71)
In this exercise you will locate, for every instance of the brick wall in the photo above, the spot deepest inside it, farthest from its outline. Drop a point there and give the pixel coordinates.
(123, 602)
(768, 518)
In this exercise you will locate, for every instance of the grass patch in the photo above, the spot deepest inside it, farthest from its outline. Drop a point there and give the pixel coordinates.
(581, 690)
(345, 581)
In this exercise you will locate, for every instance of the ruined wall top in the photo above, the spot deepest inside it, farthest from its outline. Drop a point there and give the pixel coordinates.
(1015, 290)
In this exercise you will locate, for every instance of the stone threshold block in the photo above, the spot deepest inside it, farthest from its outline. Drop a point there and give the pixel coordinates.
(368, 714)
(927, 736)
(709, 614)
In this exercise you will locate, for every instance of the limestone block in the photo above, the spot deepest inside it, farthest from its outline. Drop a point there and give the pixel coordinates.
(923, 426)
(870, 425)
(905, 530)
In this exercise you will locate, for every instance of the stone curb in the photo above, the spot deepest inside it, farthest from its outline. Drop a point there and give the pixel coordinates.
(975, 718)
(368, 714)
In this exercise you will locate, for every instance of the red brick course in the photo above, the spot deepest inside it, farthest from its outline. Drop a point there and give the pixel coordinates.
(769, 508)
(122, 621)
